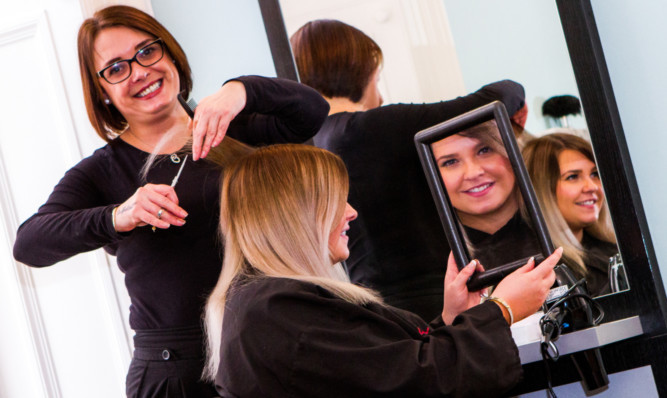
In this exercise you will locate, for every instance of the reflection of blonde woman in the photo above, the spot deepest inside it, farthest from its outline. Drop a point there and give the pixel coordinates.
(481, 187)
(284, 320)
(568, 187)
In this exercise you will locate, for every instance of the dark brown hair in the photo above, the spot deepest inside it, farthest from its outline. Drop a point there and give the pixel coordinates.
(106, 119)
(334, 58)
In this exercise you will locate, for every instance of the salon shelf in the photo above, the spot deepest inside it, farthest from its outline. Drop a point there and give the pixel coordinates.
(607, 333)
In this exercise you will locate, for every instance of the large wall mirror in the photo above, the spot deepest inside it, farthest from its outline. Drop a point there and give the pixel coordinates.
(453, 48)
(447, 50)
(552, 48)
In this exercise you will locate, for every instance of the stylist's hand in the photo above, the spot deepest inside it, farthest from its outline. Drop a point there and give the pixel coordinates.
(213, 115)
(525, 289)
(457, 297)
(143, 207)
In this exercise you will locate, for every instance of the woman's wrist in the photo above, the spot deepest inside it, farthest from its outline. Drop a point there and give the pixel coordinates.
(113, 218)
(504, 307)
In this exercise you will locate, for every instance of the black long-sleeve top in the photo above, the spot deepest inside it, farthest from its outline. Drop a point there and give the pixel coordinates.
(597, 254)
(516, 240)
(168, 273)
(288, 338)
(397, 244)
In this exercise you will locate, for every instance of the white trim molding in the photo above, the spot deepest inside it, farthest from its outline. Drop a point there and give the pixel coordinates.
(24, 280)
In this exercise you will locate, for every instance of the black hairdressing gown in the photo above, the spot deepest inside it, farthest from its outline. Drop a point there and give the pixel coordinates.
(288, 338)
(516, 240)
(596, 259)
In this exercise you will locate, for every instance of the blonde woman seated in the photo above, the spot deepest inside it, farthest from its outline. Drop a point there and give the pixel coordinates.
(568, 187)
(284, 320)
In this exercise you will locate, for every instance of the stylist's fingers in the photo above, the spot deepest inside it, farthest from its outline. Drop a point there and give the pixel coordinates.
(197, 137)
(203, 134)
(213, 115)
(170, 213)
(211, 133)
(162, 190)
(158, 206)
(223, 125)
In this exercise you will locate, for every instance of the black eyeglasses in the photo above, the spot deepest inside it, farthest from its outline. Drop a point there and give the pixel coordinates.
(148, 55)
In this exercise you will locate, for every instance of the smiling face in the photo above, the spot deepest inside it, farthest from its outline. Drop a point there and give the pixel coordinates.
(578, 191)
(338, 239)
(149, 91)
(479, 181)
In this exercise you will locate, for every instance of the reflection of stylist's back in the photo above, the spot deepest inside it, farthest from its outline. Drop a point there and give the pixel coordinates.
(399, 244)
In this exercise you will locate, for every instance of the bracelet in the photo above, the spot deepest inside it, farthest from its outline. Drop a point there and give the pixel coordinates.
(113, 217)
(504, 304)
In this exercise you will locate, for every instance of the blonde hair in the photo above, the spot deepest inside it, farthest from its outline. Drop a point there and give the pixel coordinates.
(541, 158)
(278, 208)
(488, 134)
(223, 155)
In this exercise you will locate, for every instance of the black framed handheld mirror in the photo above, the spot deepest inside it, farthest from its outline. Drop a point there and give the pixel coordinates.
(456, 155)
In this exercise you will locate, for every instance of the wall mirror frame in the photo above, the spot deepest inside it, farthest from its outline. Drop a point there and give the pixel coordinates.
(646, 297)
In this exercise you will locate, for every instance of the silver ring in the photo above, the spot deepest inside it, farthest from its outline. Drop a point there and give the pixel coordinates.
(159, 214)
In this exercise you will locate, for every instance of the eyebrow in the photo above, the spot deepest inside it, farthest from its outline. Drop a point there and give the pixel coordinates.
(137, 47)
(477, 147)
(445, 157)
(571, 171)
(594, 170)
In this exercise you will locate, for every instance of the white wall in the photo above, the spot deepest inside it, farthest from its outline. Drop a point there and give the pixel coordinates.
(222, 39)
(633, 37)
(62, 332)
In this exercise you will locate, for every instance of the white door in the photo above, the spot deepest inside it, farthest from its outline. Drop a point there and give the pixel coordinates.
(63, 330)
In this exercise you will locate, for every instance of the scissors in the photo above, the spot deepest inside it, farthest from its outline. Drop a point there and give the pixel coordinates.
(173, 182)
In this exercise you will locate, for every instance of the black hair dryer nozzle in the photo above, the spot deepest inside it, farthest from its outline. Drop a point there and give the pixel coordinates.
(580, 316)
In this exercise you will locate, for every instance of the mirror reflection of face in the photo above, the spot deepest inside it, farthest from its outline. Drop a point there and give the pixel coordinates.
(338, 238)
(479, 179)
(579, 190)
